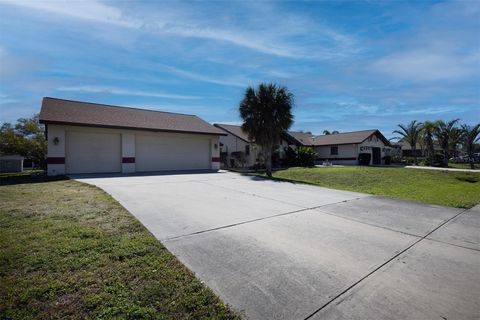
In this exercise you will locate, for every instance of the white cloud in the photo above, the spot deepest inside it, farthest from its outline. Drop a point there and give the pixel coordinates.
(267, 41)
(126, 92)
(232, 81)
(428, 65)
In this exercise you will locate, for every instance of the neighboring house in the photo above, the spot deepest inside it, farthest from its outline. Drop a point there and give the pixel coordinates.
(11, 163)
(95, 138)
(236, 147)
(420, 151)
(344, 148)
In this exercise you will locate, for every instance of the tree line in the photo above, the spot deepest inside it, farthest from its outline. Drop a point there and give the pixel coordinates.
(448, 135)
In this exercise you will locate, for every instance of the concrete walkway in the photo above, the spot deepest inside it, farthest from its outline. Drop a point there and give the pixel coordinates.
(278, 250)
(442, 169)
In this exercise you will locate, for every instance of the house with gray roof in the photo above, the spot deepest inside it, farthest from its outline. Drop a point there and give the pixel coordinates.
(86, 137)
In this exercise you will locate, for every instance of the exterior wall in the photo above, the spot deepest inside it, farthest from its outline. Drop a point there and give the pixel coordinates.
(373, 141)
(56, 152)
(128, 152)
(232, 143)
(11, 165)
(347, 154)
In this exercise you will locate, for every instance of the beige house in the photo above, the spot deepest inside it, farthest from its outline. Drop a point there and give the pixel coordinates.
(95, 138)
(345, 148)
(238, 150)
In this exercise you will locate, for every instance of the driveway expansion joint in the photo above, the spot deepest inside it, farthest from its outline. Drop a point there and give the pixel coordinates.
(253, 220)
(384, 264)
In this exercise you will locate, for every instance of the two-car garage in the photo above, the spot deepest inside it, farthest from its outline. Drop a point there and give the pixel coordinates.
(92, 138)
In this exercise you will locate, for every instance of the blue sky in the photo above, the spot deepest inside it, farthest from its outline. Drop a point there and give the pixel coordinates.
(351, 65)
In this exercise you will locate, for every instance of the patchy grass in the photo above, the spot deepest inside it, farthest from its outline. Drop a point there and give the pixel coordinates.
(454, 189)
(69, 250)
(464, 166)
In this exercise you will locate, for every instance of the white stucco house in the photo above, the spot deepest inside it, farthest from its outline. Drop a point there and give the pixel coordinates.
(88, 137)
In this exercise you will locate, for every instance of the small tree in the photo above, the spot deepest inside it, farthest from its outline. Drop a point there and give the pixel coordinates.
(471, 134)
(240, 157)
(305, 156)
(411, 134)
(26, 138)
(266, 113)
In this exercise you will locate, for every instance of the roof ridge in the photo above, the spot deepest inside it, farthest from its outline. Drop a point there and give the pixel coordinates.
(336, 134)
(116, 106)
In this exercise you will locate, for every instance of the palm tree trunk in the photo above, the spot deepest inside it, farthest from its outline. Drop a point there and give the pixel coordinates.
(268, 160)
(445, 158)
(414, 152)
(431, 152)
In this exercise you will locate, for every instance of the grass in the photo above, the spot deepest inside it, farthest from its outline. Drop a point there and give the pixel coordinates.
(464, 166)
(454, 189)
(69, 250)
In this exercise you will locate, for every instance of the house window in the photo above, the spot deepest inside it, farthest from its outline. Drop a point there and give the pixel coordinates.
(247, 150)
(334, 151)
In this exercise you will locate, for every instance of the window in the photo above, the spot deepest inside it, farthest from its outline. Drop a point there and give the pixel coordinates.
(247, 150)
(334, 151)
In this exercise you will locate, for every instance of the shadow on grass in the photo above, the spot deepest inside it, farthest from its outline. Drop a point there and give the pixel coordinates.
(28, 177)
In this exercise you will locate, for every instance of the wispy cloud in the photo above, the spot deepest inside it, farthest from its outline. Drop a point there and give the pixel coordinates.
(126, 92)
(266, 42)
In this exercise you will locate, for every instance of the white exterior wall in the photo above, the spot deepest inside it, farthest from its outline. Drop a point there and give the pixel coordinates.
(56, 152)
(128, 152)
(232, 143)
(347, 154)
(366, 147)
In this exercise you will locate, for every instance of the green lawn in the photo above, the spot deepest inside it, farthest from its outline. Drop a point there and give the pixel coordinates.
(70, 251)
(464, 166)
(455, 189)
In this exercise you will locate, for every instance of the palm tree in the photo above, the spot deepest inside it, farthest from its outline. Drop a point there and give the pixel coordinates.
(266, 114)
(326, 132)
(443, 133)
(335, 132)
(470, 136)
(428, 130)
(411, 134)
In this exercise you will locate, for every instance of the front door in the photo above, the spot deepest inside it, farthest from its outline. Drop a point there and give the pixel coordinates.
(376, 153)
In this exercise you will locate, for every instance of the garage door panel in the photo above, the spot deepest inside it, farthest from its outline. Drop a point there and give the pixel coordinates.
(157, 153)
(89, 152)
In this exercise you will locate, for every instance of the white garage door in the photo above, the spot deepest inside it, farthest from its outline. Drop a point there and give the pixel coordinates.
(87, 152)
(160, 153)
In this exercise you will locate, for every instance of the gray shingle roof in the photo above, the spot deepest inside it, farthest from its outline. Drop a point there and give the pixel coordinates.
(235, 130)
(93, 114)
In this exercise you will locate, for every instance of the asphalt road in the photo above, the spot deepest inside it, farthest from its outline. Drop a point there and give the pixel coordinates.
(278, 250)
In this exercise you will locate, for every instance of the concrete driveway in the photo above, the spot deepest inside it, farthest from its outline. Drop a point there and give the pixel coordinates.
(277, 250)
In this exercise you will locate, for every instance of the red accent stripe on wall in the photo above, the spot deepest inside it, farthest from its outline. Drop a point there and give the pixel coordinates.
(216, 159)
(337, 159)
(128, 160)
(56, 160)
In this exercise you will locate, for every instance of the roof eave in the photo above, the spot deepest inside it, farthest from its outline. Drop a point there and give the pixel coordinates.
(78, 124)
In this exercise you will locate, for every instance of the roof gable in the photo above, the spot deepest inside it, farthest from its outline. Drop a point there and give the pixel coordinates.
(93, 114)
(348, 138)
(234, 130)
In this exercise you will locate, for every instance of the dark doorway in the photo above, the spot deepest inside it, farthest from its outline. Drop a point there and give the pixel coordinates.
(376, 154)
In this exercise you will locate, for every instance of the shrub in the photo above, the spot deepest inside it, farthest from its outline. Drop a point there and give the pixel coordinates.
(387, 159)
(364, 159)
(290, 157)
(239, 156)
(305, 156)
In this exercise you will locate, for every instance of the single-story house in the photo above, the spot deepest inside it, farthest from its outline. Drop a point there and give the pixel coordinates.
(236, 147)
(420, 150)
(341, 148)
(88, 137)
(11, 163)
(344, 148)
